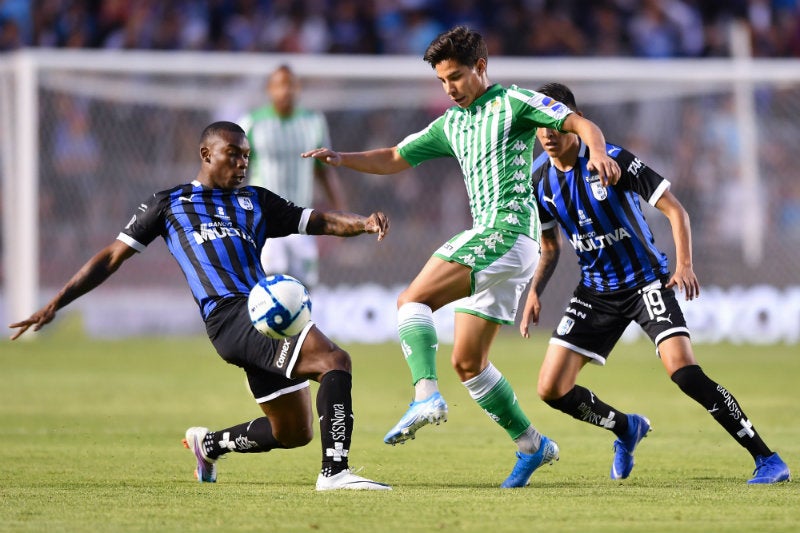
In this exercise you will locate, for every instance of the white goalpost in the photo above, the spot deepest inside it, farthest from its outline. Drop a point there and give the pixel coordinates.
(141, 107)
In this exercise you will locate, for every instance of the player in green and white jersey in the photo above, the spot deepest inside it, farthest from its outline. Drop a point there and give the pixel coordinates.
(278, 132)
(491, 132)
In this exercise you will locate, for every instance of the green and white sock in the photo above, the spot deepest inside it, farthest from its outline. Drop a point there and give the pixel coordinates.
(418, 340)
(494, 394)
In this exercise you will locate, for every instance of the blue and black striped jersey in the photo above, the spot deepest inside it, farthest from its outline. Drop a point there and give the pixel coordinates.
(215, 235)
(605, 225)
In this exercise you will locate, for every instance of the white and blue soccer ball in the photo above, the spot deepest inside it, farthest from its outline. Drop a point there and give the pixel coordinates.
(279, 306)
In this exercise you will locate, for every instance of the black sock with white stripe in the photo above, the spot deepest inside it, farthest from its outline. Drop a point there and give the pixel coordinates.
(582, 404)
(250, 437)
(335, 410)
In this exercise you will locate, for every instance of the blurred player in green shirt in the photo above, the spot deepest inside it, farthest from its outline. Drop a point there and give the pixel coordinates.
(277, 132)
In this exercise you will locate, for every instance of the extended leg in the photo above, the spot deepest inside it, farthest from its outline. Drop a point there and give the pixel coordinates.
(494, 394)
(290, 413)
(438, 283)
(676, 354)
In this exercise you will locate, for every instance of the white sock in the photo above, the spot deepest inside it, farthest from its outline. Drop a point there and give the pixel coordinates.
(424, 388)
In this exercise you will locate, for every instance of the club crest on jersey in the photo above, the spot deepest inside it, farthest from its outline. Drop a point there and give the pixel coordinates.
(598, 191)
(245, 202)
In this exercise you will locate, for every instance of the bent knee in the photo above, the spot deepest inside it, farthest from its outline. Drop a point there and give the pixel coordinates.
(295, 437)
(404, 298)
(466, 368)
(339, 360)
(549, 391)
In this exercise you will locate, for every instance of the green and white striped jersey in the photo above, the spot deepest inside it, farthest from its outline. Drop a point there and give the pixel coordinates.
(493, 142)
(276, 144)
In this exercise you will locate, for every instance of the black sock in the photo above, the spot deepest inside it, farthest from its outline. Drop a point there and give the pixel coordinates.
(250, 437)
(582, 404)
(335, 410)
(722, 406)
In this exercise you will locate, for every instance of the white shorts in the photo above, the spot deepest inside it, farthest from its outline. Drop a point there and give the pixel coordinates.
(296, 255)
(502, 264)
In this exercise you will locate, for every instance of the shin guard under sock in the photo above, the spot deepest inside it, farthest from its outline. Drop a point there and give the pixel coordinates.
(418, 340)
(249, 437)
(335, 410)
(496, 397)
(722, 406)
(582, 404)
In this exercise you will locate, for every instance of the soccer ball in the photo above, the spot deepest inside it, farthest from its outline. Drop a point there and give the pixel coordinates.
(279, 306)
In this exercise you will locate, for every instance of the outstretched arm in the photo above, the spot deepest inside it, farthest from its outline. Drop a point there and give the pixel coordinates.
(343, 224)
(599, 161)
(551, 250)
(93, 273)
(684, 277)
(378, 161)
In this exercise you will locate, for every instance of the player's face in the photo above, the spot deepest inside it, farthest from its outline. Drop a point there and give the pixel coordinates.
(554, 142)
(226, 157)
(282, 89)
(462, 84)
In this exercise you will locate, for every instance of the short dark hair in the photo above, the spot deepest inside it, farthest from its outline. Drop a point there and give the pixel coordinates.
(283, 67)
(460, 44)
(218, 127)
(560, 92)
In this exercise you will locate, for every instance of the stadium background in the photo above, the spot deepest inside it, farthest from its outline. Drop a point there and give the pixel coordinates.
(109, 135)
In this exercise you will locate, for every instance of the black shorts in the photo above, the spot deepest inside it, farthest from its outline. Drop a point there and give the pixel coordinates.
(593, 322)
(267, 362)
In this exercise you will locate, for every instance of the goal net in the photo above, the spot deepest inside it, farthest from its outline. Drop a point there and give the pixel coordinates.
(86, 135)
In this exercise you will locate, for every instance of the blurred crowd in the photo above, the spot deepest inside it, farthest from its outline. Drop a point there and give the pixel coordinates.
(84, 140)
(627, 28)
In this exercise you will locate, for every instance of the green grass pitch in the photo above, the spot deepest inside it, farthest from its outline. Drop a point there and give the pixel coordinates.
(92, 441)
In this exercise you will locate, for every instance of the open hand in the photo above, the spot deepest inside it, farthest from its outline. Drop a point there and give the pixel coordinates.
(326, 155)
(37, 320)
